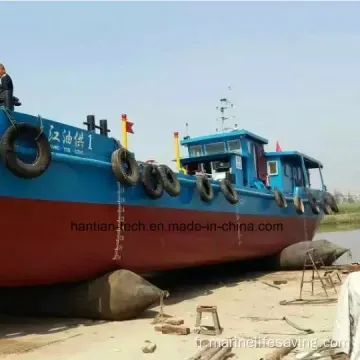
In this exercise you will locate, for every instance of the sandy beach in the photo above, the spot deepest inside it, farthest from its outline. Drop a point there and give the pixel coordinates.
(249, 309)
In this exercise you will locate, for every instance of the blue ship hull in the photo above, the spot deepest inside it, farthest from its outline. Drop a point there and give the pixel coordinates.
(61, 226)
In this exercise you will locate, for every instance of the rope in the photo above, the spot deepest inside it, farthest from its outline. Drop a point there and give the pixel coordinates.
(14, 124)
(41, 127)
(10, 118)
(160, 317)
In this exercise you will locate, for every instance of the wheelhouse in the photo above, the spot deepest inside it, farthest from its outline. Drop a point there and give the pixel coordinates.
(292, 171)
(237, 155)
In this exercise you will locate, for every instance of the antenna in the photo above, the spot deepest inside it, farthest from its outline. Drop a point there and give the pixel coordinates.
(225, 104)
(187, 132)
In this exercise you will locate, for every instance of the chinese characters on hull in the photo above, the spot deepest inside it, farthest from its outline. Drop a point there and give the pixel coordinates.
(70, 141)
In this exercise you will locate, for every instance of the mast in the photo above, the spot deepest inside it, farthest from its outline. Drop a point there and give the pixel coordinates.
(225, 104)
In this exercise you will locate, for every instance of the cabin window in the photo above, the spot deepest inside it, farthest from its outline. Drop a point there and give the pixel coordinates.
(206, 168)
(195, 150)
(192, 168)
(221, 166)
(287, 170)
(298, 181)
(215, 148)
(234, 145)
(315, 180)
(295, 173)
(299, 174)
(249, 147)
(255, 159)
(272, 167)
(239, 162)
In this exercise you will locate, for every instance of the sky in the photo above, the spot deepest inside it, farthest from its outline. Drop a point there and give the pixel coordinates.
(293, 69)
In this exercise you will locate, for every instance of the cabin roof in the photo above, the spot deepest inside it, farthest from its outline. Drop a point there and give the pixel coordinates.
(309, 161)
(224, 136)
(188, 160)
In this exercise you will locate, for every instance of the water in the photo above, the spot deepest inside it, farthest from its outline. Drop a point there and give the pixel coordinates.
(346, 239)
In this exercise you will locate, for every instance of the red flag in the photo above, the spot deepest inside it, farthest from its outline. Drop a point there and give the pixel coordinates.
(128, 124)
(278, 148)
(129, 127)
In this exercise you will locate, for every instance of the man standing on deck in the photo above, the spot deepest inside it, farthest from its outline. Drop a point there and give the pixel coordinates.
(6, 84)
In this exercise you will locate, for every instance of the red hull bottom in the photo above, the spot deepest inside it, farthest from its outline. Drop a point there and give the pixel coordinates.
(41, 245)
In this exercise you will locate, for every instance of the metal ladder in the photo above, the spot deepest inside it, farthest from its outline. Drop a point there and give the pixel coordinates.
(311, 261)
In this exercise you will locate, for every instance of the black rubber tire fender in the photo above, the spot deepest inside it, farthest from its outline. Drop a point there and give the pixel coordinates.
(204, 188)
(313, 204)
(126, 176)
(171, 182)
(280, 198)
(141, 166)
(330, 200)
(151, 176)
(229, 191)
(299, 205)
(117, 143)
(10, 159)
(326, 207)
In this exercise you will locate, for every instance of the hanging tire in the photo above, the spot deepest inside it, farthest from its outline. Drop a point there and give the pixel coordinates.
(280, 198)
(299, 205)
(330, 200)
(117, 143)
(13, 163)
(229, 191)
(326, 207)
(152, 181)
(141, 165)
(125, 167)
(204, 188)
(170, 180)
(315, 208)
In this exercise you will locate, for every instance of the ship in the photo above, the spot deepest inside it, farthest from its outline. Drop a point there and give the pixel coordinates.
(77, 203)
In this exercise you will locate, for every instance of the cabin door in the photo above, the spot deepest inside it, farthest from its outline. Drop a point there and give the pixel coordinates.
(261, 166)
